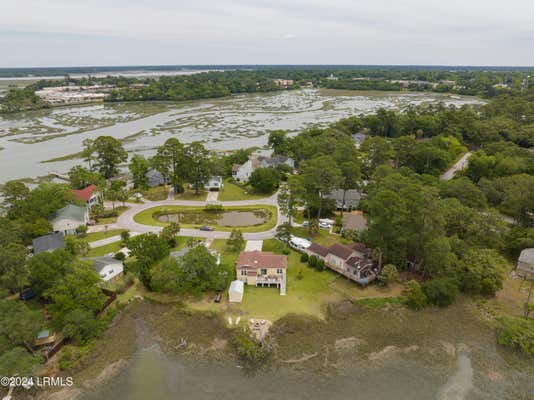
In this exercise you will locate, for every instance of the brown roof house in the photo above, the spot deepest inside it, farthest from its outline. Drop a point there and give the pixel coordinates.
(352, 261)
(262, 268)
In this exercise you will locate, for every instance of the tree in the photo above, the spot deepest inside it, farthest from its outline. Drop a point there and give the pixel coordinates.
(75, 246)
(235, 242)
(264, 180)
(82, 325)
(169, 232)
(171, 161)
(46, 269)
(414, 297)
(109, 153)
(377, 151)
(198, 165)
(18, 361)
(350, 177)
(14, 194)
(13, 270)
(78, 290)
(148, 249)
(81, 177)
(321, 175)
(139, 167)
(441, 291)
(390, 274)
(482, 271)
(278, 142)
(18, 323)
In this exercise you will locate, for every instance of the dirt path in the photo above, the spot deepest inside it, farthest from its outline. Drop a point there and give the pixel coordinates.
(460, 165)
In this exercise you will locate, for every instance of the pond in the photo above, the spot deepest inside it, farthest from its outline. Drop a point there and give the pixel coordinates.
(224, 218)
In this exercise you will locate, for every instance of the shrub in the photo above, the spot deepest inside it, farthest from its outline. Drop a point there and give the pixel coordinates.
(441, 291)
(312, 261)
(300, 274)
(304, 257)
(250, 351)
(390, 274)
(214, 208)
(414, 297)
(119, 256)
(125, 237)
(71, 357)
(320, 265)
(517, 333)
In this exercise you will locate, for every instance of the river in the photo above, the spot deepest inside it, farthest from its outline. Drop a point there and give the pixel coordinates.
(28, 139)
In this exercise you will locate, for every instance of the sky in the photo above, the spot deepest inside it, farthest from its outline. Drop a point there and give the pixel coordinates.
(40, 33)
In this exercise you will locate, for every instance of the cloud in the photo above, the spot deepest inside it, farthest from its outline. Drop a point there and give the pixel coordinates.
(247, 31)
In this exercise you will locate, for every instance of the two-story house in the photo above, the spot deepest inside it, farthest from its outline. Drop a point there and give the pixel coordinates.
(262, 268)
(352, 261)
(90, 195)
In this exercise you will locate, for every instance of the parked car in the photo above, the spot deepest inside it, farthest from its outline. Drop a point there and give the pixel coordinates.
(27, 294)
(206, 228)
(306, 223)
(324, 225)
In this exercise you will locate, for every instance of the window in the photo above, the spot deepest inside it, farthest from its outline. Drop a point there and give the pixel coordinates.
(243, 272)
(264, 271)
(279, 271)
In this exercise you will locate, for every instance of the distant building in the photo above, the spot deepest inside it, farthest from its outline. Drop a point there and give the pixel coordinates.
(155, 178)
(331, 77)
(242, 173)
(90, 195)
(262, 268)
(59, 95)
(69, 218)
(108, 267)
(358, 139)
(48, 243)
(285, 83)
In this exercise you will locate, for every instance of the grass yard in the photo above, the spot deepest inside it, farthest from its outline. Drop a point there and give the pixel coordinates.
(233, 192)
(189, 194)
(94, 236)
(146, 217)
(112, 220)
(157, 193)
(308, 291)
(103, 250)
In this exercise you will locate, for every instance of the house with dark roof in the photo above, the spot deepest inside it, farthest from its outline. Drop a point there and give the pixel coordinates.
(262, 268)
(346, 200)
(69, 218)
(155, 178)
(90, 195)
(49, 243)
(352, 261)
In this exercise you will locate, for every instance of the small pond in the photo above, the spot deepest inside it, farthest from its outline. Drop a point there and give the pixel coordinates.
(222, 218)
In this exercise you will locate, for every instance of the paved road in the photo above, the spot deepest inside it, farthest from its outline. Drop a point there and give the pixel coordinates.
(460, 164)
(126, 219)
(109, 240)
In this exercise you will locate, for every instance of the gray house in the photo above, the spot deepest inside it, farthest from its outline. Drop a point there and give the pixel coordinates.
(49, 243)
(155, 178)
(352, 198)
(525, 263)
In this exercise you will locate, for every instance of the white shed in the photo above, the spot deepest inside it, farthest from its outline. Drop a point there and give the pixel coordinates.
(235, 293)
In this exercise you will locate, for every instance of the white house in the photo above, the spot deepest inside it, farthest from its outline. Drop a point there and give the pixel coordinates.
(235, 293)
(214, 183)
(69, 218)
(108, 267)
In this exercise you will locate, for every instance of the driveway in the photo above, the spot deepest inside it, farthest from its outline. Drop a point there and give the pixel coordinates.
(458, 166)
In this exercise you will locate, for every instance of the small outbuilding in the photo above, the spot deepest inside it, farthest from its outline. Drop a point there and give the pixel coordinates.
(235, 293)
(108, 267)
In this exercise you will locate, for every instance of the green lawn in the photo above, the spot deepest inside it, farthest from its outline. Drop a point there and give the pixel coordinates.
(94, 236)
(112, 220)
(308, 291)
(146, 217)
(233, 192)
(156, 193)
(190, 195)
(103, 250)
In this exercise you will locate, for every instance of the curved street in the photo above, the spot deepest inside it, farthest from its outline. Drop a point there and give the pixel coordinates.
(126, 220)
